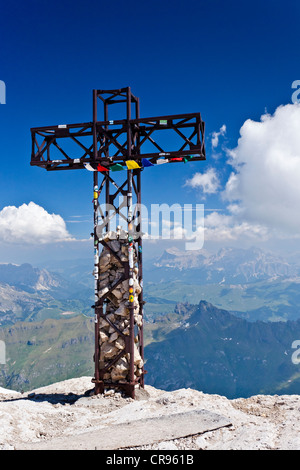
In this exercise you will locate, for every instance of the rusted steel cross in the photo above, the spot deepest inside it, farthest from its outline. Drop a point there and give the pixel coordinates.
(105, 147)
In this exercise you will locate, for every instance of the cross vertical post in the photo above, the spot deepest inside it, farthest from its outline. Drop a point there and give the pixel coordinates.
(131, 185)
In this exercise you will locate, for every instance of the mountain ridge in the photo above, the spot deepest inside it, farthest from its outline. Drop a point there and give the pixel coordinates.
(217, 352)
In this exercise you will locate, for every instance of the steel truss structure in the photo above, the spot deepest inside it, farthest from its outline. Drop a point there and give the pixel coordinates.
(115, 141)
(107, 143)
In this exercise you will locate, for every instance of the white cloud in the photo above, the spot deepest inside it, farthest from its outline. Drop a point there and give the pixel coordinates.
(216, 136)
(264, 187)
(263, 190)
(221, 227)
(31, 224)
(207, 182)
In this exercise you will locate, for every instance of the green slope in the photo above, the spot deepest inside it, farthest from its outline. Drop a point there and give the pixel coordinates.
(41, 353)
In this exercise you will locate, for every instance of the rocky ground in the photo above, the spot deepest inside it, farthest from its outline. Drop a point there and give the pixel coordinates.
(63, 410)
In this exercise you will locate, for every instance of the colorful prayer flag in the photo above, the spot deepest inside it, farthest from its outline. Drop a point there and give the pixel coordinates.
(102, 168)
(132, 164)
(88, 167)
(116, 167)
(146, 162)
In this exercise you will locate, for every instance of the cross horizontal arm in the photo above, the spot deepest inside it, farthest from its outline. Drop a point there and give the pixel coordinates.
(117, 141)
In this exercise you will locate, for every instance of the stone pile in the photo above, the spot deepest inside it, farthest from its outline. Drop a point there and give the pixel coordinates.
(116, 309)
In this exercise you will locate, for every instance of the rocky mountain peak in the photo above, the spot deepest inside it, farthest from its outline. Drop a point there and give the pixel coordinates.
(28, 277)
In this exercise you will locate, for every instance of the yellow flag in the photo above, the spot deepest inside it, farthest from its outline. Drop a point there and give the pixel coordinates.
(132, 164)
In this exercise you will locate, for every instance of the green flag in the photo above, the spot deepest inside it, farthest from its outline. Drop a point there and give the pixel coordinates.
(187, 158)
(116, 167)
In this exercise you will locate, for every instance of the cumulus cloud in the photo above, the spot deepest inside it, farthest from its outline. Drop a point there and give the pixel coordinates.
(31, 224)
(262, 192)
(264, 186)
(207, 182)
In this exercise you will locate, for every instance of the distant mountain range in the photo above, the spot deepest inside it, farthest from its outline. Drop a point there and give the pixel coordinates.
(234, 266)
(249, 283)
(216, 352)
(28, 278)
(32, 294)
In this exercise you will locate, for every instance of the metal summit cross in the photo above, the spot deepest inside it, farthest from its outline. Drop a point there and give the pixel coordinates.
(105, 147)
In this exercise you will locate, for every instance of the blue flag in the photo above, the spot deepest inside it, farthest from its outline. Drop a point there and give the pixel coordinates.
(146, 162)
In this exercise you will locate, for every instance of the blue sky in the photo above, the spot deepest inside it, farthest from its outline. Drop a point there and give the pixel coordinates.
(232, 61)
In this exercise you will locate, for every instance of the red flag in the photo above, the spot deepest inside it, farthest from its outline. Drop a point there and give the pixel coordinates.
(102, 168)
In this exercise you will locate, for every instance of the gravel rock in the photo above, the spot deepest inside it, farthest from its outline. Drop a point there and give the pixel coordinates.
(63, 409)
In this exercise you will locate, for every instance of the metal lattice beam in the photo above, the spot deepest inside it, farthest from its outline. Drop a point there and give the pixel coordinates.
(117, 139)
